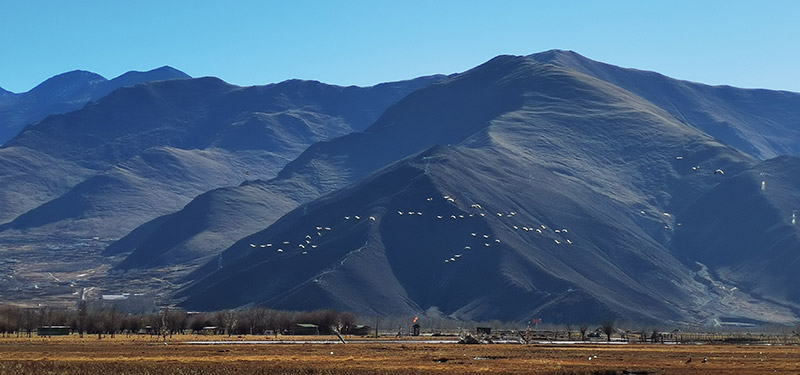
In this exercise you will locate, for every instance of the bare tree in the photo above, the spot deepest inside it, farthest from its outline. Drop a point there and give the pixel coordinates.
(176, 321)
(29, 320)
(8, 319)
(61, 317)
(608, 328)
(11, 320)
(153, 324)
(259, 320)
(568, 328)
(132, 324)
(197, 323)
(81, 317)
(347, 322)
(44, 316)
(225, 319)
(96, 323)
(243, 322)
(163, 325)
(582, 328)
(654, 335)
(279, 321)
(327, 320)
(113, 321)
(3, 323)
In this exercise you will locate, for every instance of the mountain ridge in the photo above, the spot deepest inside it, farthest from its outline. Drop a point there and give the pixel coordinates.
(237, 132)
(725, 112)
(67, 92)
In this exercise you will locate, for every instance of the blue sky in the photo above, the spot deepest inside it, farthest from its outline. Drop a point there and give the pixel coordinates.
(741, 43)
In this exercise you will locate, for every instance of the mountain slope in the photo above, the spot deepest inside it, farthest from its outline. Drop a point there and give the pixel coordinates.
(155, 146)
(157, 181)
(762, 123)
(548, 148)
(590, 259)
(190, 236)
(65, 93)
(445, 112)
(745, 231)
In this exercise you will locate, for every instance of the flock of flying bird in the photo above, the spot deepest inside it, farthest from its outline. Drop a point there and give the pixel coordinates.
(485, 238)
(303, 244)
(307, 243)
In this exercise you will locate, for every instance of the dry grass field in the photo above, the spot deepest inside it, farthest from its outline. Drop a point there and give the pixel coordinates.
(147, 355)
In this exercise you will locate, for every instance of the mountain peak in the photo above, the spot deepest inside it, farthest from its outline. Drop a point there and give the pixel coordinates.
(554, 53)
(158, 74)
(567, 58)
(134, 77)
(69, 91)
(66, 83)
(171, 70)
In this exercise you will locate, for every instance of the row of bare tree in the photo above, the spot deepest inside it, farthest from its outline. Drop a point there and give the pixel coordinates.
(259, 320)
(104, 320)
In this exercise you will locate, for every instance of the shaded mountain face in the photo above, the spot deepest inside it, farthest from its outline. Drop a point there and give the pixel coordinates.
(65, 93)
(210, 222)
(557, 196)
(762, 123)
(439, 233)
(745, 231)
(146, 150)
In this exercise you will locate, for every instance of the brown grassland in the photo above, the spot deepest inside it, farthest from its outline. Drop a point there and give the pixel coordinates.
(148, 355)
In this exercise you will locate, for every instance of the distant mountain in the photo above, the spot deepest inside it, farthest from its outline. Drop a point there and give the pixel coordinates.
(157, 181)
(76, 85)
(65, 93)
(134, 77)
(598, 170)
(762, 123)
(146, 150)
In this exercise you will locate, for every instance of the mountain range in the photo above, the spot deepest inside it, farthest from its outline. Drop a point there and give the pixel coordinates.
(65, 93)
(146, 150)
(547, 185)
(546, 145)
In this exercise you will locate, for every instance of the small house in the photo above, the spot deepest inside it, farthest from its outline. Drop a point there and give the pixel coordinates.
(212, 330)
(360, 330)
(305, 329)
(53, 330)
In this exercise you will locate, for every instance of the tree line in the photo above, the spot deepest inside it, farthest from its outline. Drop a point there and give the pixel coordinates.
(108, 321)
